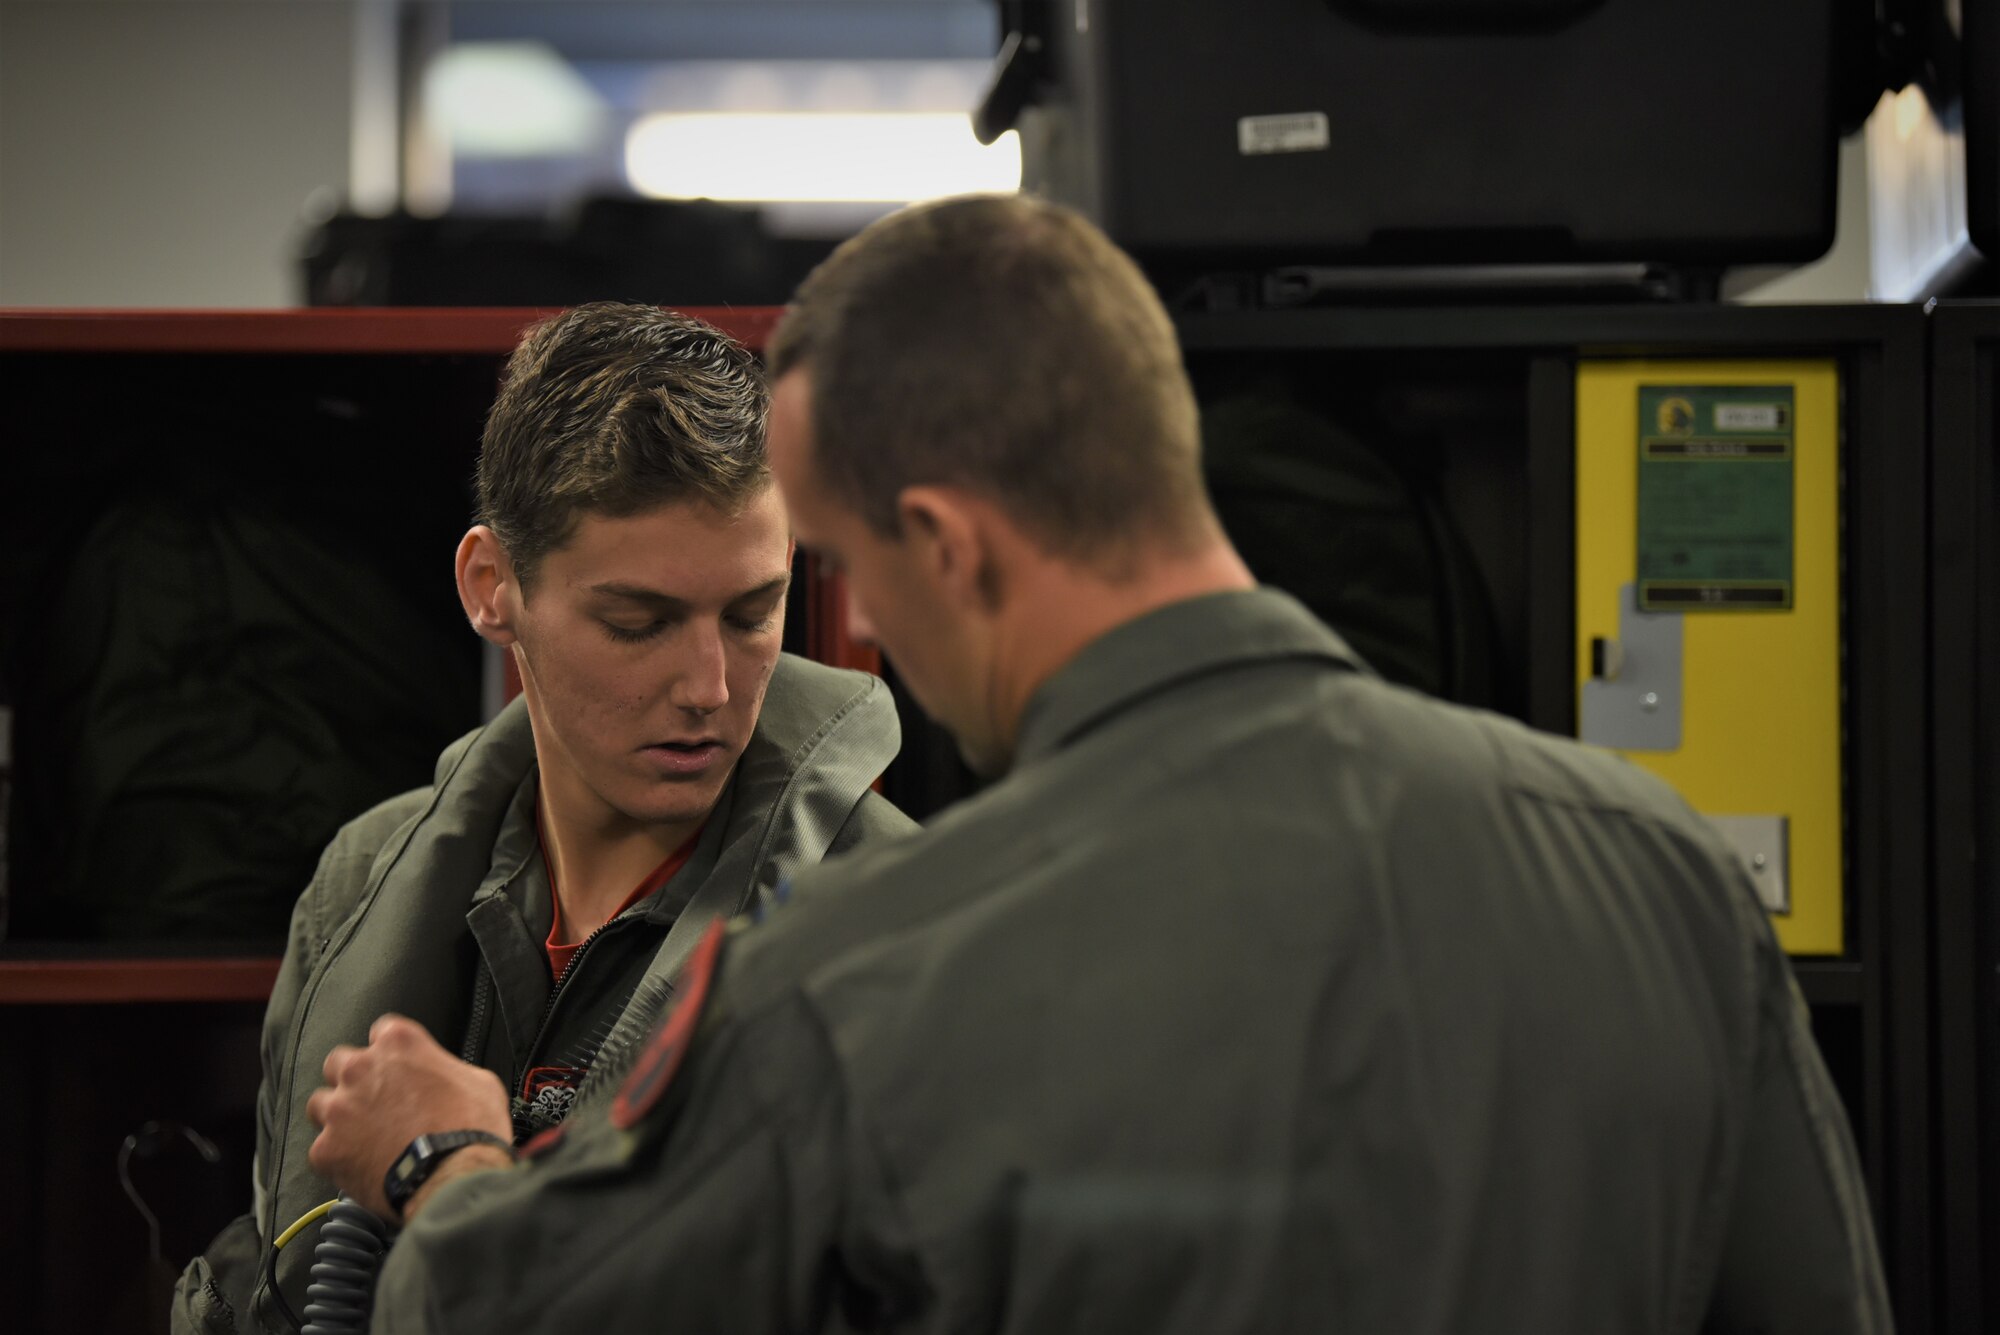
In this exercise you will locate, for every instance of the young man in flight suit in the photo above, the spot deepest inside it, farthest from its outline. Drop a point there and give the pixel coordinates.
(664, 766)
(1258, 995)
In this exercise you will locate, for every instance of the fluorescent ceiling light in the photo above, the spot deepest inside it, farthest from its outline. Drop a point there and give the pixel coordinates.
(871, 157)
(510, 99)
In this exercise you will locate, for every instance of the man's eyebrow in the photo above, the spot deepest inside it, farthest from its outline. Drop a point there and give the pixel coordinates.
(775, 585)
(639, 593)
(666, 602)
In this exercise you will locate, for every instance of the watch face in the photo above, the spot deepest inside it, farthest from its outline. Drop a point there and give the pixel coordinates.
(415, 1166)
(405, 1175)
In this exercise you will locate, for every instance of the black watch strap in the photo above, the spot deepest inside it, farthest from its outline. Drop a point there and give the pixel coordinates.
(414, 1166)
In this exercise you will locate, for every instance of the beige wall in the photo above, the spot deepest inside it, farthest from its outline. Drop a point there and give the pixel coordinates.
(161, 152)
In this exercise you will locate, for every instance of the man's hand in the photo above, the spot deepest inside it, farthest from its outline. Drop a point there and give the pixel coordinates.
(378, 1099)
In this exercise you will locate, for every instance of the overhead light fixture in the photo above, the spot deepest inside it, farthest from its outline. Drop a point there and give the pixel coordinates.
(817, 157)
(510, 99)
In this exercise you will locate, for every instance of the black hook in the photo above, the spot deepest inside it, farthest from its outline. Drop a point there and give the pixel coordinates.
(146, 1142)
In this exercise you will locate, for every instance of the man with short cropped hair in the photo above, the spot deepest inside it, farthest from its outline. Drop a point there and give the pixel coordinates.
(664, 768)
(1258, 995)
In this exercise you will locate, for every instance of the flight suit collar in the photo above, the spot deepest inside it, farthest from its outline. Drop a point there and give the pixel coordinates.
(1173, 644)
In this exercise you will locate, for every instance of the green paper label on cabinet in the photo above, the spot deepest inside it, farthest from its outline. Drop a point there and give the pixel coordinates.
(1715, 497)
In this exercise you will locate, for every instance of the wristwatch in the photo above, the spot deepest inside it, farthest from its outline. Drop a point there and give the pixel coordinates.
(416, 1164)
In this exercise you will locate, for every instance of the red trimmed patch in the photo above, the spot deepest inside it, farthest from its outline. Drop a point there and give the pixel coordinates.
(669, 1041)
(540, 1078)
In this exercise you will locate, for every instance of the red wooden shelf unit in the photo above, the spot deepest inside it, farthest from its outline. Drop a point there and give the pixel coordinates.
(490, 330)
(70, 981)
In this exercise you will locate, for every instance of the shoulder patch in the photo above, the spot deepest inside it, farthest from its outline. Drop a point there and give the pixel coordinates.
(668, 1044)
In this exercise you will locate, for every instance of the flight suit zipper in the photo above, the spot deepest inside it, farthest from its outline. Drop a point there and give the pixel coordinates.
(556, 996)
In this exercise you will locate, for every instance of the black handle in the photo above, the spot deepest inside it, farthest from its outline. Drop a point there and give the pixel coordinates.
(1011, 87)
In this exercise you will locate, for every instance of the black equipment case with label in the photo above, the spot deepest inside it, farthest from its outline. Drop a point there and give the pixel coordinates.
(1694, 132)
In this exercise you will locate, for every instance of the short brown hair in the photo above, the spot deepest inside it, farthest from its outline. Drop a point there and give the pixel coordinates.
(1006, 345)
(614, 409)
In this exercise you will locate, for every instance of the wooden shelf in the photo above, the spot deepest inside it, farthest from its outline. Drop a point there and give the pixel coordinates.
(63, 982)
(489, 331)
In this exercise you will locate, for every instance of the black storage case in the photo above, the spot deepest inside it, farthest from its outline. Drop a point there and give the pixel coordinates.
(1691, 132)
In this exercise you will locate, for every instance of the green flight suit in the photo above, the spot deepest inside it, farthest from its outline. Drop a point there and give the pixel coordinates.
(1260, 996)
(436, 905)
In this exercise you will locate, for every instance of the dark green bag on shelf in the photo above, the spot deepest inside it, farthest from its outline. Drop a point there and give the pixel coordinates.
(1371, 551)
(217, 690)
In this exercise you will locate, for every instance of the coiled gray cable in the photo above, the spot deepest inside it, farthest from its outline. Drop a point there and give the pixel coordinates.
(341, 1292)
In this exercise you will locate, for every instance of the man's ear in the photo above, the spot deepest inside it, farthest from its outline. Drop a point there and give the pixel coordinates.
(487, 589)
(947, 533)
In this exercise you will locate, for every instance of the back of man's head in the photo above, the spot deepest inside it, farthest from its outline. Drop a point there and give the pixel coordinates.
(1005, 345)
(614, 409)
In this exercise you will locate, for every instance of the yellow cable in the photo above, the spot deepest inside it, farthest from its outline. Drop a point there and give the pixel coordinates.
(304, 1219)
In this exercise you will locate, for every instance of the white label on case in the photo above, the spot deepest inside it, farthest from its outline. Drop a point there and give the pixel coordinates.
(1292, 132)
(1750, 417)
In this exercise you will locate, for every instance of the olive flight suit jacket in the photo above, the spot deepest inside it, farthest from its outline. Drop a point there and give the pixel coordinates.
(1259, 996)
(435, 905)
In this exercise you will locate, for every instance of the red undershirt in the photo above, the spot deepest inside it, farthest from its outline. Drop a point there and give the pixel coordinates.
(559, 954)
